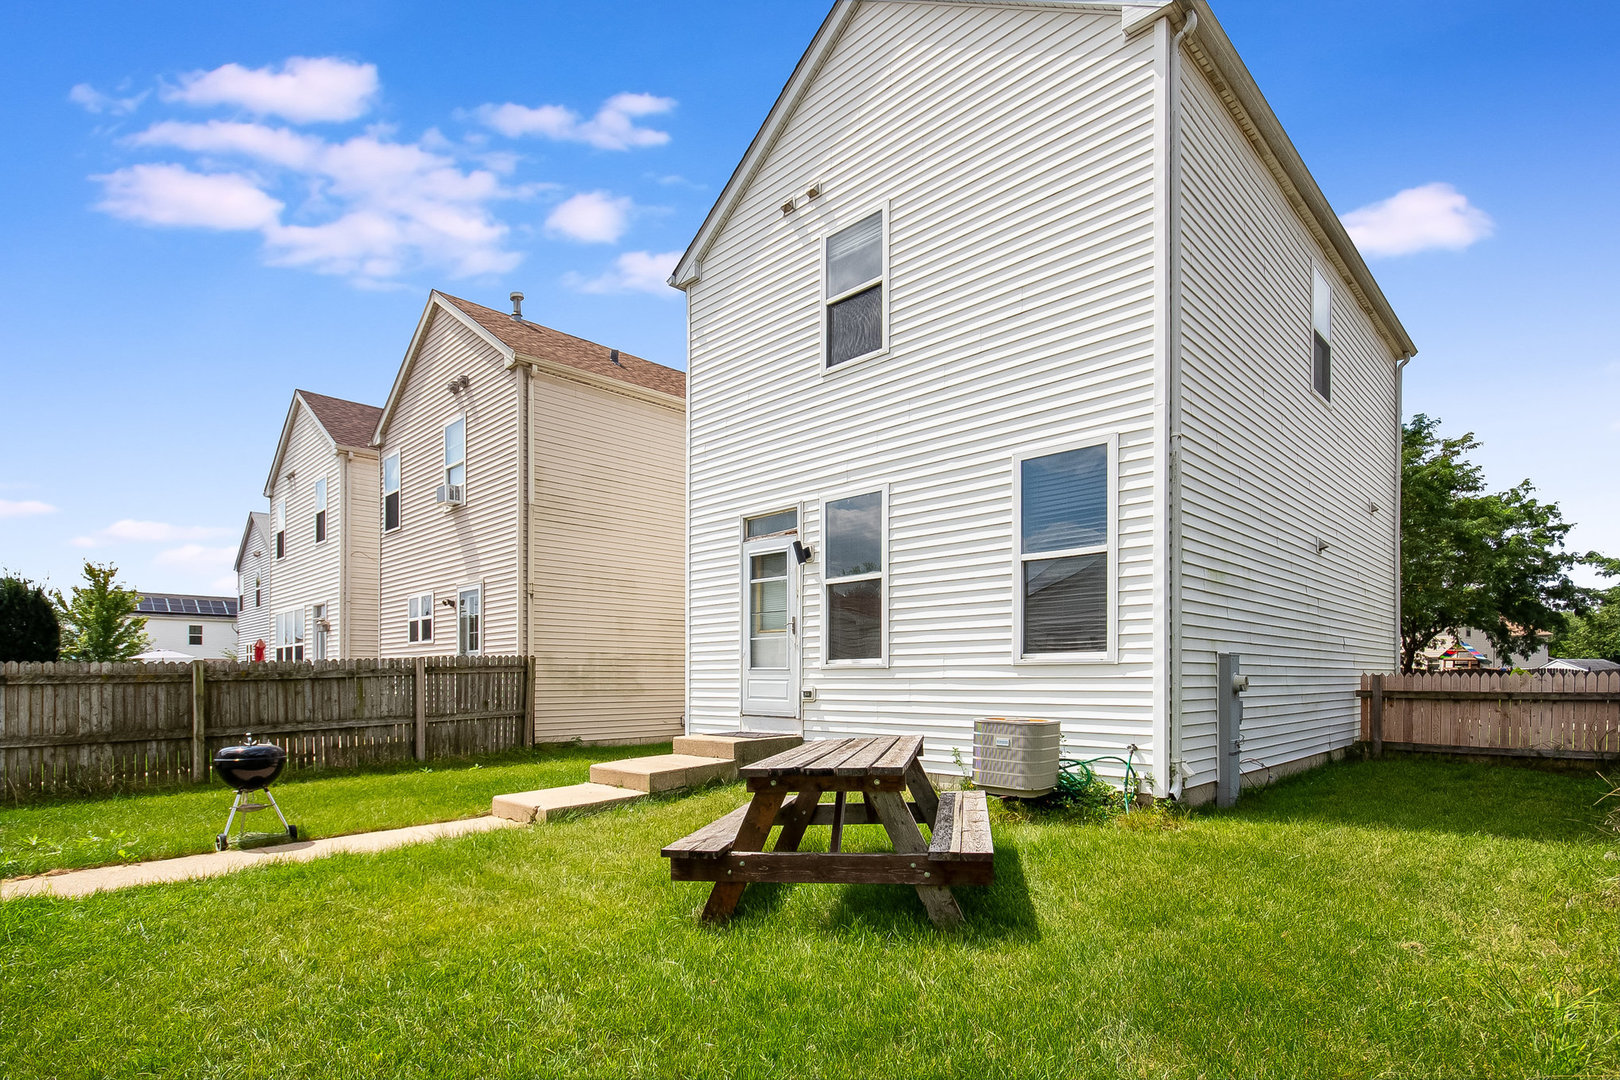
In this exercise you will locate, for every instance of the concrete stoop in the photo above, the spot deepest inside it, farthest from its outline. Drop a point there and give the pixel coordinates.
(698, 759)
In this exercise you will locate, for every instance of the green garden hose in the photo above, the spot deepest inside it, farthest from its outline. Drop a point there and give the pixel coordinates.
(1076, 775)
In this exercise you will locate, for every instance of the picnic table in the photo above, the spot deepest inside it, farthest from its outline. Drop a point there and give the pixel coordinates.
(787, 792)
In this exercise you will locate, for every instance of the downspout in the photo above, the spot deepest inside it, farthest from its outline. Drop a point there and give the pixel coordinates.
(343, 605)
(1173, 404)
(525, 601)
(1400, 488)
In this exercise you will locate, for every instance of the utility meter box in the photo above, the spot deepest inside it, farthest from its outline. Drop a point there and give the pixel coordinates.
(1016, 756)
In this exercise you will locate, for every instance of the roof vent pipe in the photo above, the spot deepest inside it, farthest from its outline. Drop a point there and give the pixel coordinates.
(614, 356)
(517, 306)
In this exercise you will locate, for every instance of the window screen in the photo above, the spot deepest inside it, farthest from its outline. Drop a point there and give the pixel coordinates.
(854, 290)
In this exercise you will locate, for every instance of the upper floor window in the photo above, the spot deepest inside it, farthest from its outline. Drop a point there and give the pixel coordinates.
(193, 634)
(1065, 546)
(455, 460)
(320, 510)
(1321, 335)
(281, 528)
(856, 263)
(852, 556)
(391, 492)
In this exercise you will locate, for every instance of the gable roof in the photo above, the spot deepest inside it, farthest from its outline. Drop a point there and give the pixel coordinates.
(520, 339)
(348, 425)
(257, 520)
(1565, 664)
(1210, 48)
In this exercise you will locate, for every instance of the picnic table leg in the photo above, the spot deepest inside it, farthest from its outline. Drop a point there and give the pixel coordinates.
(796, 819)
(751, 836)
(922, 792)
(891, 809)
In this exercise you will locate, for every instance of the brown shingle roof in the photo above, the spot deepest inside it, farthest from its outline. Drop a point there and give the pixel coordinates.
(544, 343)
(348, 422)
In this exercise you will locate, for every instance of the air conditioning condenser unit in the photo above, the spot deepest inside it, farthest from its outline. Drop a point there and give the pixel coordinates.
(1016, 756)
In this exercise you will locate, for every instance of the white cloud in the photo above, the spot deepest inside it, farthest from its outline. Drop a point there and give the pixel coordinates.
(92, 100)
(367, 207)
(304, 90)
(197, 557)
(591, 217)
(634, 271)
(174, 195)
(160, 532)
(613, 127)
(1418, 219)
(24, 508)
(83, 541)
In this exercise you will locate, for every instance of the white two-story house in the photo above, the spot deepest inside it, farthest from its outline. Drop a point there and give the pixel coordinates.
(530, 503)
(255, 621)
(323, 531)
(1030, 372)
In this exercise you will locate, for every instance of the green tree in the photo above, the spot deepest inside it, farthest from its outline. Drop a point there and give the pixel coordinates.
(100, 623)
(1594, 632)
(29, 632)
(1472, 558)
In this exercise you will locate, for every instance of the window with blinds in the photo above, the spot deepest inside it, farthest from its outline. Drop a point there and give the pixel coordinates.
(1065, 533)
(853, 277)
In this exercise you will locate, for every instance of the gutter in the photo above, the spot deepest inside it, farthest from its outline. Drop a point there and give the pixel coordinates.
(1400, 491)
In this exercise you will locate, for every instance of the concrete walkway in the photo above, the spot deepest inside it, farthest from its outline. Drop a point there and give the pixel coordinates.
(75, 883)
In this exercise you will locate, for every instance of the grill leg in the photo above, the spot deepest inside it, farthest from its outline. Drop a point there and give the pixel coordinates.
(277, 808)
(225, 837)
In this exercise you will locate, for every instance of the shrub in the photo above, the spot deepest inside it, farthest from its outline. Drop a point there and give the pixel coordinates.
(29, 632)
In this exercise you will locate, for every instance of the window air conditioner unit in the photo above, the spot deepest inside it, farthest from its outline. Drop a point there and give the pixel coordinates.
(450, 495)
(1014, 756)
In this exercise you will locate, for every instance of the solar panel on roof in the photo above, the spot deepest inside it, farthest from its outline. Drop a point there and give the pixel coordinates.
(189, 606)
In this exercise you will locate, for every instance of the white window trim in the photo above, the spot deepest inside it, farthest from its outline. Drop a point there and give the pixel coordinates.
(320, 488)
(399, 490)
(432, 598)
(276, 645)
(278, 528)
(478, 587)
(825, 604)
(1327, 403)
(1110, 655)
(825, 302)
(744, 519)
(444, 466)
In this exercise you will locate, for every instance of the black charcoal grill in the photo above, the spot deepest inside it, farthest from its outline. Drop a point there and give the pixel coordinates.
(251, 767)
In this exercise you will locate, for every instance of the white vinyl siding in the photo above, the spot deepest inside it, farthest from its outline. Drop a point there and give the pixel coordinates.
(1014, 149)
(1268, 473)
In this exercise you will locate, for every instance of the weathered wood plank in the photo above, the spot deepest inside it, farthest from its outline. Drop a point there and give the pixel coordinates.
(809, 868)
(751, 835)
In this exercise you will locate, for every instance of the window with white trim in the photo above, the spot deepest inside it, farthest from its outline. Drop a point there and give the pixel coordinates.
(1065, 546)
(1321, 335)
(855, 264)
(455, 453)
(280, 516)
(390, 485)
(421, 618)
(320, 510)
(469, 621)
(193, 634)
(321, 629)
(853, 536)
(290, 635)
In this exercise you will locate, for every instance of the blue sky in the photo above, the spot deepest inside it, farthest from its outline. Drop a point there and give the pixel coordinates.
(200, 215)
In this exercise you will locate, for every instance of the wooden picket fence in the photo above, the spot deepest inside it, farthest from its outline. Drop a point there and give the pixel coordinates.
(1554, 715)
(89, 727)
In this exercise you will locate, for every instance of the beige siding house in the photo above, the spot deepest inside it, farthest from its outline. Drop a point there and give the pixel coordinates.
(323, 531)
(531, 503)
(1029, 373)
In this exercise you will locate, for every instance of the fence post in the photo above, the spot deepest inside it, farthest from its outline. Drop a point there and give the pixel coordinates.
(1375, 718)
(199, 723)
(421, 709)
(528, 701)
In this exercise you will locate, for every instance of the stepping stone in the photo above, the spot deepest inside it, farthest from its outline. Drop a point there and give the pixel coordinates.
(743, 749)
(663, 772)
(576, 799)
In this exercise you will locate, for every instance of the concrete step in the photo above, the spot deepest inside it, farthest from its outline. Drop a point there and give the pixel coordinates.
(540, 806)
(740, 748)
(663, 772)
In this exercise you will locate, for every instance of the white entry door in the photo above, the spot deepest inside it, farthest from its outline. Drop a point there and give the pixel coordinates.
(770, 629)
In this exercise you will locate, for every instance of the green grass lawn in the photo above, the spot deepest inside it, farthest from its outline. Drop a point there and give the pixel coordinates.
(78, 832)
(1399, 918)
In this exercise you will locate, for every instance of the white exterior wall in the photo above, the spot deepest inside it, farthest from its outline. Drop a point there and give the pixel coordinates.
(254, 618)
(1015, 149)
(1268, 468)
(172, 633)
(439, 549)
(311, 573)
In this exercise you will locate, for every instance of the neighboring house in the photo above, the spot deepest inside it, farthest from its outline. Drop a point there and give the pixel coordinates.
(323, 531)
(198, 626)
(1471, 650)
(1026, 326)
(532, 504)
(1579, 665)
(255, 622)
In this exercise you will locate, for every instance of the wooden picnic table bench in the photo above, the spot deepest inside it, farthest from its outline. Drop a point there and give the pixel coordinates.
(787, 792)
